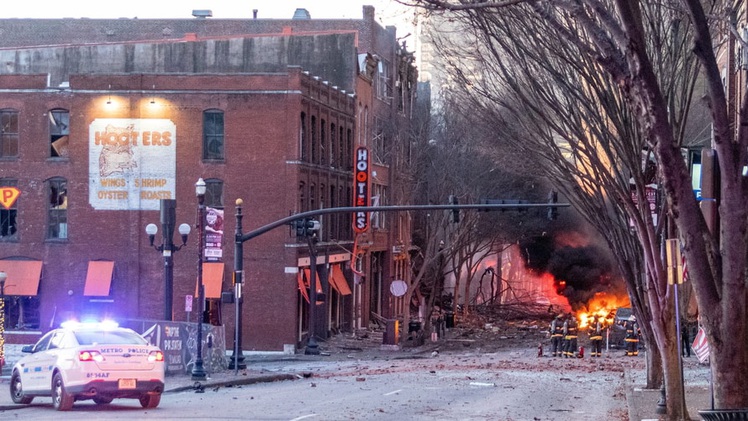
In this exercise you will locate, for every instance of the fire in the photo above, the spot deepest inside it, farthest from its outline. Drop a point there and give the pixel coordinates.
(603, 305)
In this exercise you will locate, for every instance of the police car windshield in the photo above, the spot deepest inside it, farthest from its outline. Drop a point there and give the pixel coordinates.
(108, 337)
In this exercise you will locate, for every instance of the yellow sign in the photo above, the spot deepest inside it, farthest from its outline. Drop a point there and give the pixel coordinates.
(8, 196)
(674, 262)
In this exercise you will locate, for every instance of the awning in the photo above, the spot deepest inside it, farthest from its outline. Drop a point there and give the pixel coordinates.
(302, 280)
(23, 276)
(337, 280)
(304, 288)
(98, 278)
(212, 279)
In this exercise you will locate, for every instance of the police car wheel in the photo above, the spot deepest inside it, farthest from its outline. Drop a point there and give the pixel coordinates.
(150, 401)
(61, 399)
(16, 390)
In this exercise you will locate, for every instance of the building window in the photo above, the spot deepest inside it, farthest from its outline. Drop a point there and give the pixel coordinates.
(314, 140)
(379, 198)
(57, 216)
(21, 313)
(213, 138)
(8, 221)
(8, 133)
(59, 132)
(333, 146)
(322, 143)
(383, 83)
(379, 142)
(303, 138)
(214, 193)
(302, 197)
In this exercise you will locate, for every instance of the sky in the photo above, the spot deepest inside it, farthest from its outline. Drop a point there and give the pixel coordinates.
(387, 11)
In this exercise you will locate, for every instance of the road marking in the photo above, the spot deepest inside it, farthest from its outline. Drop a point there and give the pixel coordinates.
(393, 392)
(304, 417)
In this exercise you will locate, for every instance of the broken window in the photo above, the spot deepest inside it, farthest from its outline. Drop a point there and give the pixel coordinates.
(8, 133)
(214, 193)
(59, 132)
(383, 81)
(213, 135)
(57, 217)
(8, 221)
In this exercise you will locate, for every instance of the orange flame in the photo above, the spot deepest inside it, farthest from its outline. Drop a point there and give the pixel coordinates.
(602, 305)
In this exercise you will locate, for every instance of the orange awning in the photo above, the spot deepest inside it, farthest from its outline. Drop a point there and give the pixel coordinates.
(302, 280)
(337, 280)
(98, 278)
(307, 275)
(23, 276)
(212, 279)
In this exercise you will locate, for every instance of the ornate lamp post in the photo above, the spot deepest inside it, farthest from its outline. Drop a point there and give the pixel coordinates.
(167, 248)
(3, 277)
(198, 372)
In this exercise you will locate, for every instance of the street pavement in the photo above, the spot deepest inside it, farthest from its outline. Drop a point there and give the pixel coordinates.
(643, 404)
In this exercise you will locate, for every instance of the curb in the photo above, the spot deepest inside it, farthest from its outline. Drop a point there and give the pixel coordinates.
(197, 385)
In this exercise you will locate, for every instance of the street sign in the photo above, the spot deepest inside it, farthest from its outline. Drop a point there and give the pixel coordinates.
(8, 196)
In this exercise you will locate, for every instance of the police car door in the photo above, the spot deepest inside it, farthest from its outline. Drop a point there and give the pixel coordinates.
(33, 365)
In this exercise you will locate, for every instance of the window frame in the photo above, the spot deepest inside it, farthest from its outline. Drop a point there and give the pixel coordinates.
(9, 217)
(57, 215)
(56, 133)
(214, 193)
(219, 136)
(9, 117)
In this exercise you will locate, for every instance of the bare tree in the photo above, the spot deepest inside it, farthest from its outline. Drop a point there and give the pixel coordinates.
(616, 37)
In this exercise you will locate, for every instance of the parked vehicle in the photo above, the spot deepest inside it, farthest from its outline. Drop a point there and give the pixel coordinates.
(98, 361)
(617, 330)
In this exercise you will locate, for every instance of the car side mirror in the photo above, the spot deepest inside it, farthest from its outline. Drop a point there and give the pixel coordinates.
(28, 348)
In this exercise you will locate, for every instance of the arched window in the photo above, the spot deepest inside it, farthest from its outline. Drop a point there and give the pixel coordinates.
(213, 135)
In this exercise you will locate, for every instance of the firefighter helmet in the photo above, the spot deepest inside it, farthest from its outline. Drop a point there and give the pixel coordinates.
(632, 318)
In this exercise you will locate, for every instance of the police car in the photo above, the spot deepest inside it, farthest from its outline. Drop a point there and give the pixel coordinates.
(80, 361)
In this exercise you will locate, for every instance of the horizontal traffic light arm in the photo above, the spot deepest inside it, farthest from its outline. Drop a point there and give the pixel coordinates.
(395, 208)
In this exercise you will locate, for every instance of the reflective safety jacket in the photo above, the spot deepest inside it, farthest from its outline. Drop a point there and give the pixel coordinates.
(632, 331)
(570, 328)
(596, 330)
(557, 328)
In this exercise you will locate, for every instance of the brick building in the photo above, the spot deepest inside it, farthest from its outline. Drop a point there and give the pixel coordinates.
(267, 111)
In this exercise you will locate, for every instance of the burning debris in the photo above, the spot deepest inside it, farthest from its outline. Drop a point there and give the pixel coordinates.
(581, 272)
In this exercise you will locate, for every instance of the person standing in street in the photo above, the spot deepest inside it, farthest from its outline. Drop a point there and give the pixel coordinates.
(557, 335)
(685, 338)
(596, 336)
(632, 337)
(570, 336)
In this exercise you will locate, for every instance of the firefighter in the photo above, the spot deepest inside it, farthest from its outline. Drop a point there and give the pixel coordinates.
(557, 335)
(632, 337)
(596, 336)
(570, 337)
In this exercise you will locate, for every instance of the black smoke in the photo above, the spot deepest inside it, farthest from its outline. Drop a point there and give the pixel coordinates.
(579, 272)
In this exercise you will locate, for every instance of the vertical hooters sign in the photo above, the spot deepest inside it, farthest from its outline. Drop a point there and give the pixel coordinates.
(361, 189)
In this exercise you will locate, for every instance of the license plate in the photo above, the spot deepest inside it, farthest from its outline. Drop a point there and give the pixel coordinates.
(127, 383)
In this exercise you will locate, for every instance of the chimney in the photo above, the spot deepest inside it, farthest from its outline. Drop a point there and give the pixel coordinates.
(254, 13)
(301, 14)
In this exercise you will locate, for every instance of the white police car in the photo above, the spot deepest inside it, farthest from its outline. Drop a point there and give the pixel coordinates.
(82, 361)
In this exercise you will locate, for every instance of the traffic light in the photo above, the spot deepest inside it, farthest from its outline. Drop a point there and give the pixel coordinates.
(552, 210)
(455, 212)
(306, 227)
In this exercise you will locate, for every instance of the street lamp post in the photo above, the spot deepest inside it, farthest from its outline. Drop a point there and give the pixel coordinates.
(167, 248)
(3, 277)
(198, 372)
(311, 345)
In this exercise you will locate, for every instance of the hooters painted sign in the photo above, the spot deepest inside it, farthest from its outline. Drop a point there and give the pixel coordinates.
(361, 189)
